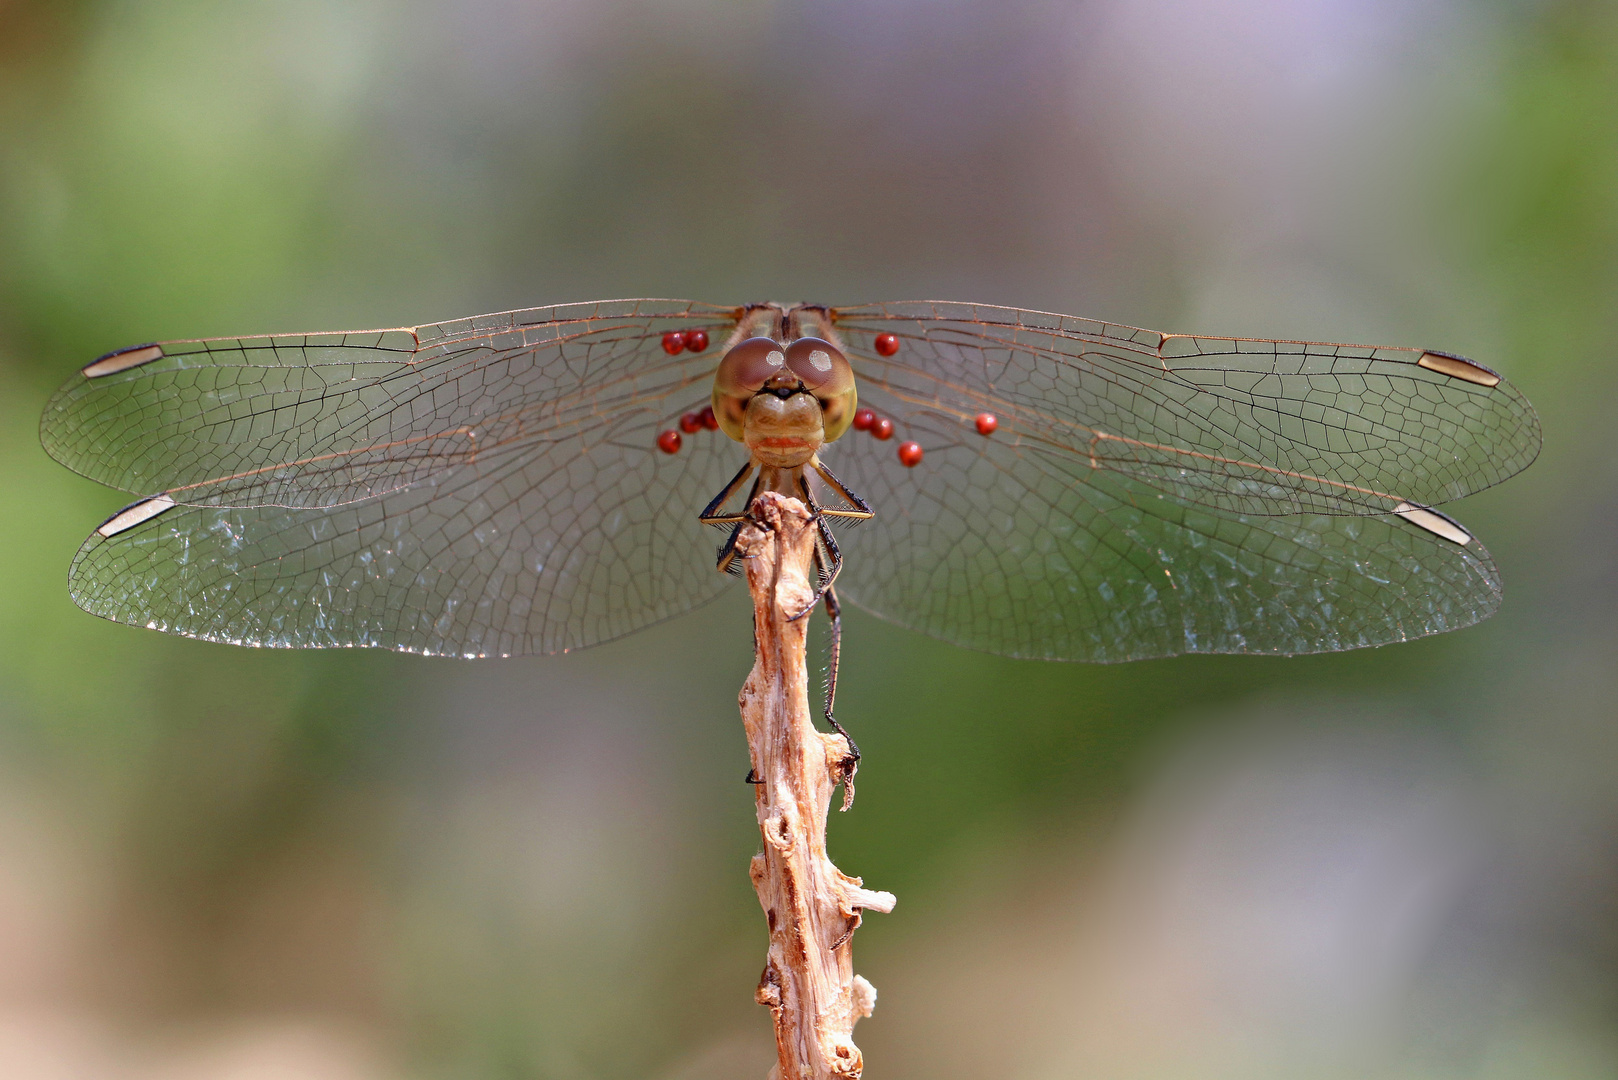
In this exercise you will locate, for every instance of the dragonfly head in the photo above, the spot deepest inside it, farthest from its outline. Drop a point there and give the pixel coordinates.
(784, 403)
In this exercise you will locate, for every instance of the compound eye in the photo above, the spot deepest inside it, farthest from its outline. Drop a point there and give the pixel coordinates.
(823, 369)
(826, 373)
(747, 367)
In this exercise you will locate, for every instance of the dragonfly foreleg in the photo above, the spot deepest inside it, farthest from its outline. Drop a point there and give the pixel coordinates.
(710, 514)
(861, 509)
(728, 563)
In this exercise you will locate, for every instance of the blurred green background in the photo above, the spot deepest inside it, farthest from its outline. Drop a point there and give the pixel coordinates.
(227, 864)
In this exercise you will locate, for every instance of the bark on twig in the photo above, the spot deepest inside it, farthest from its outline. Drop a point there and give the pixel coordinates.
(812, 907)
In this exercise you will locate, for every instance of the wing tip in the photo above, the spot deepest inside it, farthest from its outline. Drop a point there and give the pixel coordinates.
(1435, 522)
(1458, 367)
(122, 360)
(135, 513)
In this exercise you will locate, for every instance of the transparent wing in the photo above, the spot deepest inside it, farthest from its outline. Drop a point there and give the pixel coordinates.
(313, 420)
(563, 526)
(1013, 554)
(1044, 540)
(1243, 426)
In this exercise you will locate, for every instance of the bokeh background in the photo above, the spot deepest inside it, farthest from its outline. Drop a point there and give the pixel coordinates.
(227, 864)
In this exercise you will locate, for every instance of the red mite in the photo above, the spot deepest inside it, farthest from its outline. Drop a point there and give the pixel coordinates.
(709, 420)
(987, 423)
(673, 342)
(669, 442)
(863, 419)
(882, 428)
(887, 344)
(910, 454)
(696, 340)
(691, 423)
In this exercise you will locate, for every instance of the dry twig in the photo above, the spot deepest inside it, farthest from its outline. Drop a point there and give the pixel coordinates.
(812, 907)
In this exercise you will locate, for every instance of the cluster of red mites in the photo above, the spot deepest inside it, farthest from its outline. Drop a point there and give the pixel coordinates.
(882, 428)
(910, 453)
(691, 423)
(677, 341)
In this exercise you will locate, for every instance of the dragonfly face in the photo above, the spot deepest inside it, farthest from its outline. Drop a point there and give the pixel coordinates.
(1044, 485)
(784, 399)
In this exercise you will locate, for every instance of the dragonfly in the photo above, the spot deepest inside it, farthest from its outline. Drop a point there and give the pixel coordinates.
(1025, 483)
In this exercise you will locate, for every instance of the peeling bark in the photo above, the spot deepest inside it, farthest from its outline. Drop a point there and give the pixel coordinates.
(812, 908)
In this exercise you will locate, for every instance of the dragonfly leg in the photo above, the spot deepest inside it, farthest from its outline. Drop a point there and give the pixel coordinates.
(727, 551)
(861, 509)
(834, 613)
(851, 763)
(710, 514)
(829, 562)
(828, 557)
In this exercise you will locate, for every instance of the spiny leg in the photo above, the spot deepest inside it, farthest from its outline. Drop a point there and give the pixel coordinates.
(727, 552)
(834, 654)
(710, 514)
(829, 561)
(862, 510)
(849, 765)
(827, 554)
(828, 564)
(828, 557)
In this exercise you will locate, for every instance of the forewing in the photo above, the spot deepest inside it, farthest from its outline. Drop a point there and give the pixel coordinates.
(1031, 542)
(489, 486)
(1242, 426)
(319, 420)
